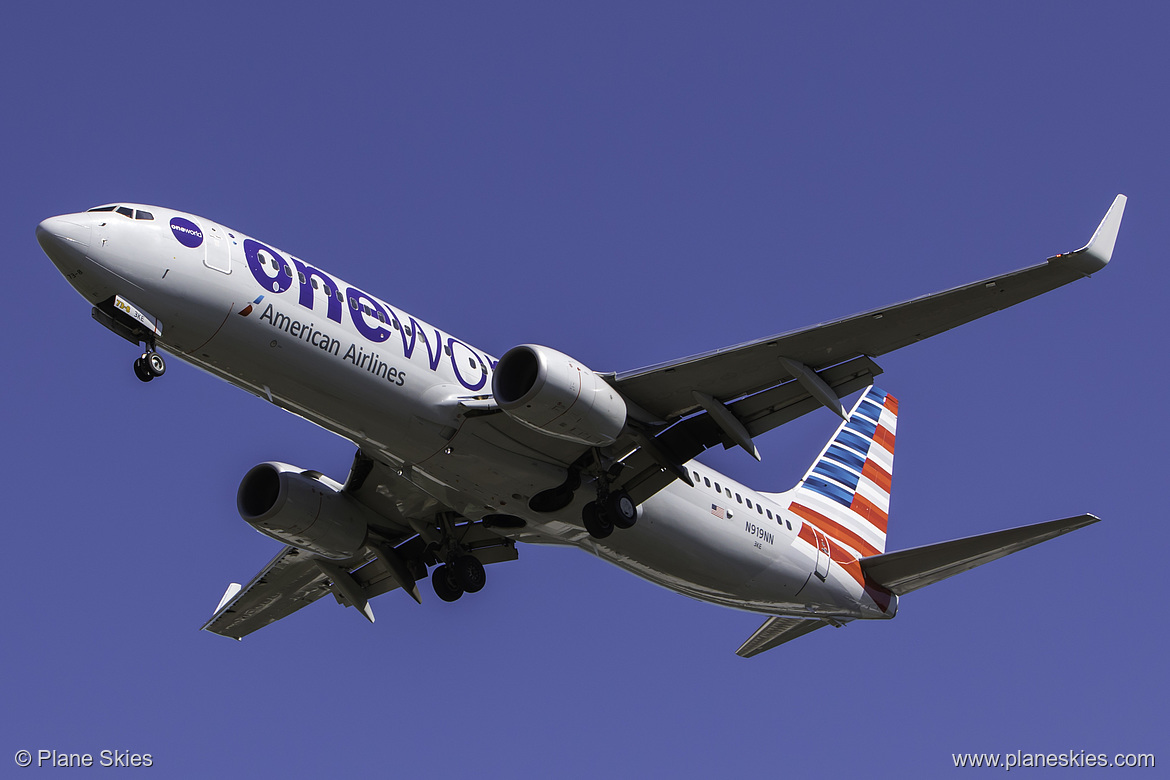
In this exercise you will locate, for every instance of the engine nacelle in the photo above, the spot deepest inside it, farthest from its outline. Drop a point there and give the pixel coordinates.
(280, 501)
(554, 394)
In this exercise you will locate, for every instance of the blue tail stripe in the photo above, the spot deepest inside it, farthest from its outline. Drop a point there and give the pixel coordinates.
(865, 427)
(827, 468)
(854, 441)
(870, 410)
(842, 455)
(829, 490)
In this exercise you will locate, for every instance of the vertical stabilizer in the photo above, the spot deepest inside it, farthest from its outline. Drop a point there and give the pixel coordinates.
(846, 493)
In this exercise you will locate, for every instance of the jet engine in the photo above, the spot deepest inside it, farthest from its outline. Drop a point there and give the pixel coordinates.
(294, 507)
(556, 395)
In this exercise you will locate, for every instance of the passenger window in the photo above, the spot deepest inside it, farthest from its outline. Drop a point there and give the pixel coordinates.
(471, 361)
(317, 286)
(353, 304)
(769, 514)
(397, 325)
(125, 212)
(337, 294)
(759, 509)
(447, 350)
(789, 524)
(696, 475)
(301, 276)
(749, 503)
(728, 491)
(707, 481)
(717, 488)
(140, 214)
(737, 498)
(381, 317)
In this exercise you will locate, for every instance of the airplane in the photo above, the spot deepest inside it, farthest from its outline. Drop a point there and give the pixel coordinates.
(462, 455)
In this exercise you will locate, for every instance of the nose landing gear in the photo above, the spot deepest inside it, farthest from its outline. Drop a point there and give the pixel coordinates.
(149, 365)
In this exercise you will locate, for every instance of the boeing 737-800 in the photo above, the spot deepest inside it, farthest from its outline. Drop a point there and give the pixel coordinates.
(461, 455)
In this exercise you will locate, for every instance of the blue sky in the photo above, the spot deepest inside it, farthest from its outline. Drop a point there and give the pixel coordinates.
(628, 184)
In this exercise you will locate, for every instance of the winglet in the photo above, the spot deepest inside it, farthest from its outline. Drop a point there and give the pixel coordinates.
(1095, 255)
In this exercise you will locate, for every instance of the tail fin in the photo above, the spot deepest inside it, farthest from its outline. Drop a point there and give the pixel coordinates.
(846, 493)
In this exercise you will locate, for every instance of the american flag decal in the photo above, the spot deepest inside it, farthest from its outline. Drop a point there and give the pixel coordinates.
(718, 512)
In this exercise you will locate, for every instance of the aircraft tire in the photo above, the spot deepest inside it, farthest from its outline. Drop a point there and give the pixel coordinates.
(142, 371)
(596, 522)
(155, 363)
(622, 510)
(469, 573)
(445, 585)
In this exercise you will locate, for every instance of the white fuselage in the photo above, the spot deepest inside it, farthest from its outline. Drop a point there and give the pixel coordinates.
(357, 366)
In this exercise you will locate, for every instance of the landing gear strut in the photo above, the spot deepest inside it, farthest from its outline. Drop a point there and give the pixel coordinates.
(149, 365)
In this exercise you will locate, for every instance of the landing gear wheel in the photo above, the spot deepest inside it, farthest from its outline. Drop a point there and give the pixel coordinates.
(621, 509)
(443, 581)
(141, 370)
(469, 573)
(597, 523)
(155, 363)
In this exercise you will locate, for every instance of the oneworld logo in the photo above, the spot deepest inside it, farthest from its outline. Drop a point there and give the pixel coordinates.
(186, 232)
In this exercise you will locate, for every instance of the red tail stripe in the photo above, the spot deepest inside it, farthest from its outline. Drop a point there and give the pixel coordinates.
(877, 474)
(841, 557)
(891, 404)
(884, 438)
(876, 517)
(805, 531)
(834, 529)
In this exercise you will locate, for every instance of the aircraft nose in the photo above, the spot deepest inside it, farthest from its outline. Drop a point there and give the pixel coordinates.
(57, 233)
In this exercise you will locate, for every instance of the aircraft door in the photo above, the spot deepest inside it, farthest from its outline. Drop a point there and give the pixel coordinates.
(822, 566)
(217, 253)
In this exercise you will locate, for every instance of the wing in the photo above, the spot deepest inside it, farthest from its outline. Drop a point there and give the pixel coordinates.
(409, 512)
(729, 396)
(289, 581)
(667, 390)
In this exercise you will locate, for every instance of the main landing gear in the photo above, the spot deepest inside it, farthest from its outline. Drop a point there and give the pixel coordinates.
(149, 365)
(609, 511)
(464, 574)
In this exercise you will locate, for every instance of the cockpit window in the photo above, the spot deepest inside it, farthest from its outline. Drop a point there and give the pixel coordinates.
(126, 212)
(104, 208)
(140, 214)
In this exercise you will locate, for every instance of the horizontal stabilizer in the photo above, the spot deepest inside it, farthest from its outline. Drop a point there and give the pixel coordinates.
(776, 631)
(908, 570)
